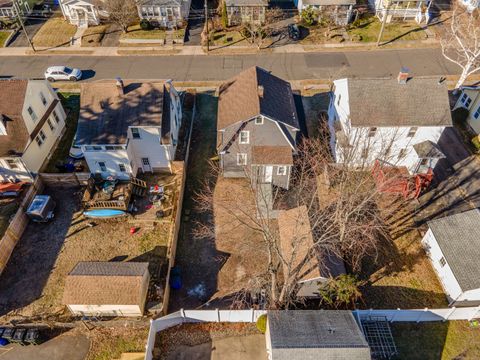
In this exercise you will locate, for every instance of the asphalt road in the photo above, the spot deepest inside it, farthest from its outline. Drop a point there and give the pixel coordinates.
(290, 66)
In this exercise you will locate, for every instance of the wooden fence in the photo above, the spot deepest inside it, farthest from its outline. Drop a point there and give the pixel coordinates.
(65, 179)
(18, 224)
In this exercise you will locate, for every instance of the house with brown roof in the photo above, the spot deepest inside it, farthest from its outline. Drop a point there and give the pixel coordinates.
(398, 121)
(302, 256)
(257, 127)
(101, 288)
(32, 121)
(127, 128)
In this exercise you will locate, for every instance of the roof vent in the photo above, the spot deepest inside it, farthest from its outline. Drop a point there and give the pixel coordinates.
(403, 75)
(261, 91)
(120, 87)
(331, 330)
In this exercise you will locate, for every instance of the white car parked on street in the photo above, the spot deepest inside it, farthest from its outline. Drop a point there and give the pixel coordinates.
(55, 73)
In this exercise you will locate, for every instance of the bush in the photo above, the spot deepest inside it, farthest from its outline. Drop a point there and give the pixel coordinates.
(145, 25)
(309, 16)
(476, 143)
(224, 15)
(262, 323)
(459, 115)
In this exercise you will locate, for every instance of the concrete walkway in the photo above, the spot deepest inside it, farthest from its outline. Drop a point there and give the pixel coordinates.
(77, 38)
(66, 346)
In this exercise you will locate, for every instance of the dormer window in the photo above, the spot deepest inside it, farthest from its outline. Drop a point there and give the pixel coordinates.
(32, 114)
(244, 137)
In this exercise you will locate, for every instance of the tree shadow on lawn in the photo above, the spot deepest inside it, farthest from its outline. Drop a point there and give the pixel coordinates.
(34, 257)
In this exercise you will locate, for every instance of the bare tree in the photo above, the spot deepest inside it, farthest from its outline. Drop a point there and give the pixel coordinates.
(257, 32)
(340, 203)
(461, 43)
(124, 13)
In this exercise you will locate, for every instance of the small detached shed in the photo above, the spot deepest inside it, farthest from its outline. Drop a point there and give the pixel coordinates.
(314, 334)
(453, 246)
(103, 288)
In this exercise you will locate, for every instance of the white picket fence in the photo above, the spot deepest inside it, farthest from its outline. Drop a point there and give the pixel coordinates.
(398, 315)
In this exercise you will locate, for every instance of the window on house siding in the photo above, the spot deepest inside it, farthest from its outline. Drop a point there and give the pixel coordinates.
(402, 153)
(32, 114)
(241, 159)
(442, 262)
(43, 98)
(476, 114)
(102, 166)
(412, 131)
(339, 98)
(12, 164)
(40, 138)
(466, 100)
(372, 131)
(55, 116)
(50, 125)
(259, 120)
(122, 167)
(365, 153)
(244, 137)
(282, 170)
(135, 133)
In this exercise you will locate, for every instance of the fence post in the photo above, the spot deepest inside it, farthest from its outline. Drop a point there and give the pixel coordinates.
(452, 310)
(253, 315)
(218, 315)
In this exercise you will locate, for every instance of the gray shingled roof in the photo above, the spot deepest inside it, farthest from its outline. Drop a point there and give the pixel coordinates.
(316, 334)
(422, 101)
(428, 149)
(459, 239)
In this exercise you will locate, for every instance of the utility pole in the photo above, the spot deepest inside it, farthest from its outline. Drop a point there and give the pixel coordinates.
(20, 20)
(384, 21)
(206, 24)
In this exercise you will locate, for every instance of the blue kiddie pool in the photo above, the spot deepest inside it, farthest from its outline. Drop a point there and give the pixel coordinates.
(3, 342)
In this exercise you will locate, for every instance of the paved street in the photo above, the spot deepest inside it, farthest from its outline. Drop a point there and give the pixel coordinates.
(291, 66)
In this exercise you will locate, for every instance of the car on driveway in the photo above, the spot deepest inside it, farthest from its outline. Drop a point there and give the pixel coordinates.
(55, 73)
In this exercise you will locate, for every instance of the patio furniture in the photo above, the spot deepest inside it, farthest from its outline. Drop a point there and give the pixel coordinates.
(18, 336)
(32, 337)
(8, 333)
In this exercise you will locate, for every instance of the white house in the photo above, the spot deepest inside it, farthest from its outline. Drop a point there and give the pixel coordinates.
(32, 121)
(470, 100)
(83, 13)
(341, 11)
(471, 5)
(164, 13)
(124, 129)
(453, 246)
(101, 288)
(297, 244)
(401, 10)
(395, 120)
(10, 9)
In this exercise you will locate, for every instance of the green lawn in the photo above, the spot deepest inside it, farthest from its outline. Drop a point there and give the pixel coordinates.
(71, 104)
(135, 32)
(3, 37)
(368, 31)
(436, 340)
(54, 33)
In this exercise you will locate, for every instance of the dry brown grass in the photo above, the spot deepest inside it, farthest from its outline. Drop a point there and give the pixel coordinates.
(55, 32)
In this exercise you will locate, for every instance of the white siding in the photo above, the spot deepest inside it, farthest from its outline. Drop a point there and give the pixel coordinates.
(445, 274)
(20, 173)
(149, 146)
(112, 159)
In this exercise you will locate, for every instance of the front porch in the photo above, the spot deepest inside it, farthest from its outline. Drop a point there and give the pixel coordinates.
(81, 14)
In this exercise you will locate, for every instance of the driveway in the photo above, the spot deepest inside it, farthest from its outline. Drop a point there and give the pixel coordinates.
(31, 26)
(66, 346)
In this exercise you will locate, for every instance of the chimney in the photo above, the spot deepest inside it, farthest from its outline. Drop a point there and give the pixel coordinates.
(120, 87)
(261, 90)
(403, 76)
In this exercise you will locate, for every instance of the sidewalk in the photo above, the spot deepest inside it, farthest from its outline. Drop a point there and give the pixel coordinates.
(187, 50)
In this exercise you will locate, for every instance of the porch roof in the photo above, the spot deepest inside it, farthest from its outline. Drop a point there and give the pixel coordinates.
(428, 149)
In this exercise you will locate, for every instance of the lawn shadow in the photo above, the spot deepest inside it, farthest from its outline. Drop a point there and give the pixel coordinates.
(28, 270)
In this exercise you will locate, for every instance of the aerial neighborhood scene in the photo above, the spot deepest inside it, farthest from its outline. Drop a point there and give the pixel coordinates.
(239, 179)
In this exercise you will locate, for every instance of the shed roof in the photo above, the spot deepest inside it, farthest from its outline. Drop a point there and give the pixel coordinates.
(323, 334)
(459, 239)
(12, 98)
(428, 149)
(105, 283)
(296, 240)
(241, 99)
(106, 114)
(422, 101)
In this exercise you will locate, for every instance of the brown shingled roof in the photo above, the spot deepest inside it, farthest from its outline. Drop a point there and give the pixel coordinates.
(272, 155)
(12, 98)
(102, 283)
(240, 99)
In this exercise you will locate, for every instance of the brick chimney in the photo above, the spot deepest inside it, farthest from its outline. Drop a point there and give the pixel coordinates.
(120, 87)
(261, 91)
(403, 75)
